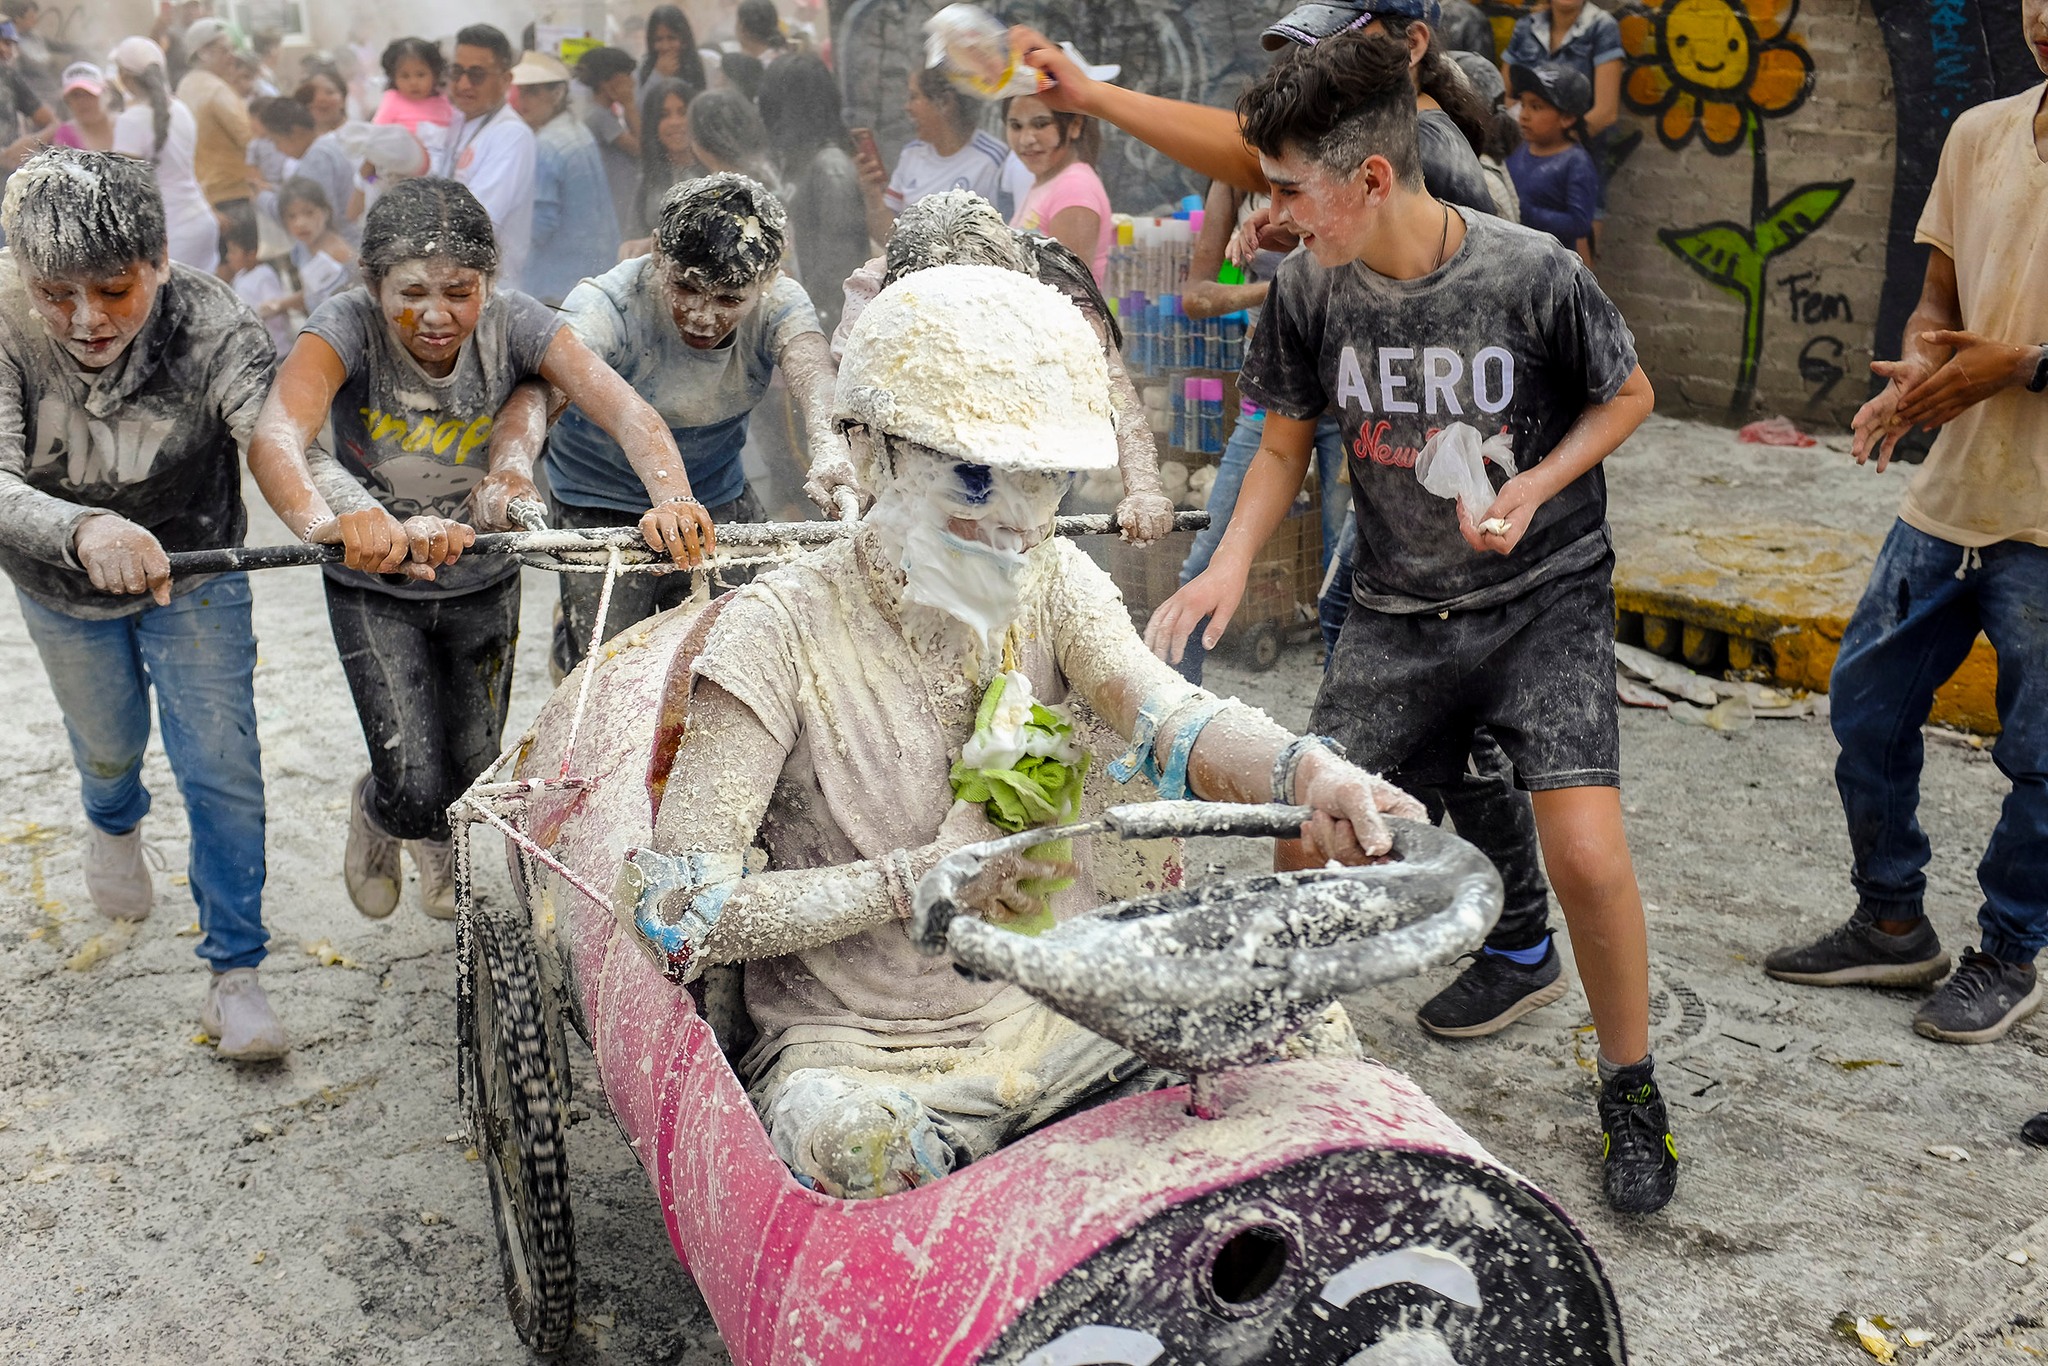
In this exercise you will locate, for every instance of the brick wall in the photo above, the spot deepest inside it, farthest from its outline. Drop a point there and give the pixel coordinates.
(1819, 299)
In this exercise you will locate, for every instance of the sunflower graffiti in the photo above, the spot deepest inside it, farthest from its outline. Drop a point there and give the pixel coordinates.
(1712, 71)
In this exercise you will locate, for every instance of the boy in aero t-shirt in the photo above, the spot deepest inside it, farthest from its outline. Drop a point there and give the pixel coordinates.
(1406, 315)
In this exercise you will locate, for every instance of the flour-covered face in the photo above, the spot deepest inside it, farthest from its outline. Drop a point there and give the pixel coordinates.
(96, 317)
(1331, 213)
(706, 314)
(432, 305)
(963, 533)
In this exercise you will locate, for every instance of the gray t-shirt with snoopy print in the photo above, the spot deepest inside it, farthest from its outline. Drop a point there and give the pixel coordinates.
(421, 444)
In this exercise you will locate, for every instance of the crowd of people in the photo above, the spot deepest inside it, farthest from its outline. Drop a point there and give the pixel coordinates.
(497, 285)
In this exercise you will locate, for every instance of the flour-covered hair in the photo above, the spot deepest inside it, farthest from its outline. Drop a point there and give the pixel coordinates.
(72, 212)
(726, 229)
(422, 220)
(950, 228)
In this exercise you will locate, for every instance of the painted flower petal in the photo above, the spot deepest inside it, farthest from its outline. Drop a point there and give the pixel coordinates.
(1648, 87)
(1676, 125)
(1784, 75)
(1772, 17)
(1721, 125)
(1638, 34)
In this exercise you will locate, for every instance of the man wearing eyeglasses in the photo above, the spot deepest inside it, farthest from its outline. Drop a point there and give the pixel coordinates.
(490, 149)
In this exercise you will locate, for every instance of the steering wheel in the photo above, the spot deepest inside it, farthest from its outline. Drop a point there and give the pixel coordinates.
(1222, 974)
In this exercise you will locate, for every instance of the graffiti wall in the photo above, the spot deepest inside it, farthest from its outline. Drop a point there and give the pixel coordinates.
(1772, 159)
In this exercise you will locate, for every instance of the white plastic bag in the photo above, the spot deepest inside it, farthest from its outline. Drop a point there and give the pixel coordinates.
(1452, 464)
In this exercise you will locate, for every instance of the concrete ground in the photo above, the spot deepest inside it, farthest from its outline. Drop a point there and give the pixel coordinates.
(162, 1206)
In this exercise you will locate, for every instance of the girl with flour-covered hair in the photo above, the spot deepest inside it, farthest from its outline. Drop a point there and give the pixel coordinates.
(412, 368)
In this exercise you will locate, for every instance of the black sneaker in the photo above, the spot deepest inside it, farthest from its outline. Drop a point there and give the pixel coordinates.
(1492, 994)
(2035, 1130)
(1986, 997)
(1858, 953)
(1639, 1158)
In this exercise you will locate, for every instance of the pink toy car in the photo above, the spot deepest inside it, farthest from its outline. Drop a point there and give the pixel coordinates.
(1275, 1210)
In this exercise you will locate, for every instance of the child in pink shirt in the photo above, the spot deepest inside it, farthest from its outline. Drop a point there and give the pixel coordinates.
(412, 69)
(1055, 147)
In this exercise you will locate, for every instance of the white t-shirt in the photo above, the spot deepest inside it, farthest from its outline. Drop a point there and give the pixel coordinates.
(193, 231)
(494, 156)
(258, 286)
(921, 171)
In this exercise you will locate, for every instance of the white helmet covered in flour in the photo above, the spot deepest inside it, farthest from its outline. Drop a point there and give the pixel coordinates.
(984, 365)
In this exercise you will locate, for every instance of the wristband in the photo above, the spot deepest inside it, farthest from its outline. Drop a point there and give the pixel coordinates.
(1288, 765)
(680, 498)
(2039, 383)
(1152, 713)
(1173, 784)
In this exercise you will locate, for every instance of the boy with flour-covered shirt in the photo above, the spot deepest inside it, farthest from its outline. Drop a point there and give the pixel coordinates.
(1406, 315)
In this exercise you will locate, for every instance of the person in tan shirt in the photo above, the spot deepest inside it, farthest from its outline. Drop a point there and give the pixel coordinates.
(222, 155)
(1969, 553)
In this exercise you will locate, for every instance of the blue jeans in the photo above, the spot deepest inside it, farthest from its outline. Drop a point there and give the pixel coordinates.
(1926, 603)
(199, 655)
(1230, 473)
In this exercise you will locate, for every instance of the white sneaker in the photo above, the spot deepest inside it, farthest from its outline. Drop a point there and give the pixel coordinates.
(436, 861)
(239, 1015)
(369, 863)
(116, 876)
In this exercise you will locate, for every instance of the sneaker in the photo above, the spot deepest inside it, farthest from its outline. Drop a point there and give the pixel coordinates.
(116, 875)
(1492, 994)
(369, 865)
(1639, 1158)
(239, 1015)
(436, 861)
(1858, 953)
(1986, 997)
(2035, 1130)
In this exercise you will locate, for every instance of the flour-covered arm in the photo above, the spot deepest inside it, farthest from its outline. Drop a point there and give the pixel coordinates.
(1200, 745)
(35, 523)
(701, 907)
(807, 364)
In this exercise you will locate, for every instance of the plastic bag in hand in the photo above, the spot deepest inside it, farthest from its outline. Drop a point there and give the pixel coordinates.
(1452, 464)
(390, 147)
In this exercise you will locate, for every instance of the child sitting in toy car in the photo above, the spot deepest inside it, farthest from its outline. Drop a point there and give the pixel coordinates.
(828, 716)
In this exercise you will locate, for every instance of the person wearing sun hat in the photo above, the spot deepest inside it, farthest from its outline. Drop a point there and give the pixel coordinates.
(575, 227)
(221, 156)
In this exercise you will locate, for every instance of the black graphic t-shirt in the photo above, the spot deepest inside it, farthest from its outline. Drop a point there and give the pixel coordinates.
(1511, 335)
(418, 443)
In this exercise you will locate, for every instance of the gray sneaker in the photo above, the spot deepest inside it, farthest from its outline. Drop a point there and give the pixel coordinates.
(1986, 997)
(436, 861)
(239, 1015)
(1858, 953)
(369, 865)
(116, 875)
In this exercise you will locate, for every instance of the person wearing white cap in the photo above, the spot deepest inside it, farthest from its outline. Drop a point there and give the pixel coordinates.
(575, 226)
(162, 131)
(91, 125)
(221, 155)
(860, 670)
(489, 148)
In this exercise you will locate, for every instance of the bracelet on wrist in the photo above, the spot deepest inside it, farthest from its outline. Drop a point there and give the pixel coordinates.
(1287, 767)
(2039, 383)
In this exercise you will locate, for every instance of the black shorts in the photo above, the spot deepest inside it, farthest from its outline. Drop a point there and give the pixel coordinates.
(1403, 693)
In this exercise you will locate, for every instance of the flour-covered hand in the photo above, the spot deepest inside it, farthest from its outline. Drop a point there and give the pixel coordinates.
(1976, 369)
(434, 541)
(121, 557)
(997, 892)
(490, 502)
(831, 473)
(1349, 804)
(1877, 425)
(680, 529)
(1144, 516)
(1507, 520)
(372, 541)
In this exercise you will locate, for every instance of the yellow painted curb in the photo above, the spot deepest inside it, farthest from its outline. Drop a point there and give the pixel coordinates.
(1788, 588)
